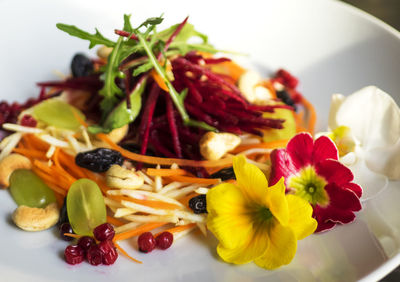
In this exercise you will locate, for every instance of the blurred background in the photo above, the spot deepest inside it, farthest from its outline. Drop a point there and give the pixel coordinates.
(389, 12)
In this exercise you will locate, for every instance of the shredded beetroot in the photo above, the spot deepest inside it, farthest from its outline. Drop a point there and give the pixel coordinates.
(147, 116)
(125, 34)
(172, 127)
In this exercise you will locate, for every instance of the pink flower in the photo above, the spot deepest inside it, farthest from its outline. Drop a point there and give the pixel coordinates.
(312, 171)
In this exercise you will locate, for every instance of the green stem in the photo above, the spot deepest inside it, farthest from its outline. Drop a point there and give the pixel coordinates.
(175, 96)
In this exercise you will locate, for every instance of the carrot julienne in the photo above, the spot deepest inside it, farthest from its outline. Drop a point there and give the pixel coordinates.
(189, 179)
(137, 231)
(180, 228)
(114, 221)
(165, 172)
(163, 161)
(149, 203)
(125, 253)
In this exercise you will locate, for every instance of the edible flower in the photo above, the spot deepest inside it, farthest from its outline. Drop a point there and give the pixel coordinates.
(312, 171)
(254, 222)
(373, 119)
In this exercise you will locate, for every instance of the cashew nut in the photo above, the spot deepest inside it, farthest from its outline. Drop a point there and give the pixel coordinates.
(214, 146)
(122, 178)
(36, 219)
(118, 134)
(11, 163)
(250, 85)
(104, 51)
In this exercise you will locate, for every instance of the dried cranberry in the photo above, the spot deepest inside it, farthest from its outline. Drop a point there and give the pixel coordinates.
(99, 160)
(110, 254)
(146, 242)
(73, 254)
(28, 120)
(86, 242)
(66, 228)
(94, 255)
(104, 232)
(164, 240)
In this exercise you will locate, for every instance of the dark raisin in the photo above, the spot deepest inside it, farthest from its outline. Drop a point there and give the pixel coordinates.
(66, 228)
(99, 160)
(198, 204)
(81, 66)
(285, 97)
(225, 174)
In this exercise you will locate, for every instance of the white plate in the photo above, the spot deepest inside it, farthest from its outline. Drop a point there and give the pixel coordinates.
(330, 46)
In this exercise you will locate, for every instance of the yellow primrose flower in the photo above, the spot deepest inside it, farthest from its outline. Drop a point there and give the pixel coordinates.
(254, 222)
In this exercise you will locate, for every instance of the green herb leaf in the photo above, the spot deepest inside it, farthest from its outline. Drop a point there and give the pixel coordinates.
(110, 89)
(152, 21)
(142, 68)
(95, 39)
(127, 23)
(121, 115)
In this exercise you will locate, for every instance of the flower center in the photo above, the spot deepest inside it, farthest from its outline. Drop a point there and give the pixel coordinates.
(310, 186)
(261, 215)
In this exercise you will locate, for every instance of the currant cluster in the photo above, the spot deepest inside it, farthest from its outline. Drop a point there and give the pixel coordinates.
(147, 242)
(103, 252)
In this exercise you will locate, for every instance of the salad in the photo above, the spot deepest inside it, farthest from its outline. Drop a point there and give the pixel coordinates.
(160, 135)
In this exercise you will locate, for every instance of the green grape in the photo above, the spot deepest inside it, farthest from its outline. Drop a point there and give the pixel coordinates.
(85, 206)
(58, 113)
(28, 189)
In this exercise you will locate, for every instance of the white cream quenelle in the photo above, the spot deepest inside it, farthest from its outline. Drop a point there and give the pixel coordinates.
(374, 121)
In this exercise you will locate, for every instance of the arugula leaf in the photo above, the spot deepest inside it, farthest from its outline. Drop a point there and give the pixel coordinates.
(127, 23)
(188, 31)
(110, 89)
(142, 68)
(95, 39)
(121, 115)
(151, 21)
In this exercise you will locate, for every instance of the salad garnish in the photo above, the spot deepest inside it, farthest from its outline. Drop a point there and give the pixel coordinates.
(160, 135)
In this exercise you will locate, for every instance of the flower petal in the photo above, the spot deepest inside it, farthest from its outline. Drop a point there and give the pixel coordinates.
(372, 115)
(324, 148)
(300, 217)
(325, 226)
(300, 150)
(354, 187)
(334, 215)
(281, 166)
(250, 179)
(341, 198)
(252, 248)
(277, 203)
(334, 172)
(281, 249)
(228, 218)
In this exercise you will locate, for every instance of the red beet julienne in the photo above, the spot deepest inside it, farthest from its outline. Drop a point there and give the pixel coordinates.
(188, 66)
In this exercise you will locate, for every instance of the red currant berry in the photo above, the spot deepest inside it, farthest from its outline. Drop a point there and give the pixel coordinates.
(86, 242)
(28, 120)
(109, 251)
(73, 254)
(94, 255)
(164, 240)
(104, 232)
(146, 242)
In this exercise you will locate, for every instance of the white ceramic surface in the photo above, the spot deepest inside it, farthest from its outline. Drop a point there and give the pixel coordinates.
(330, 46)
